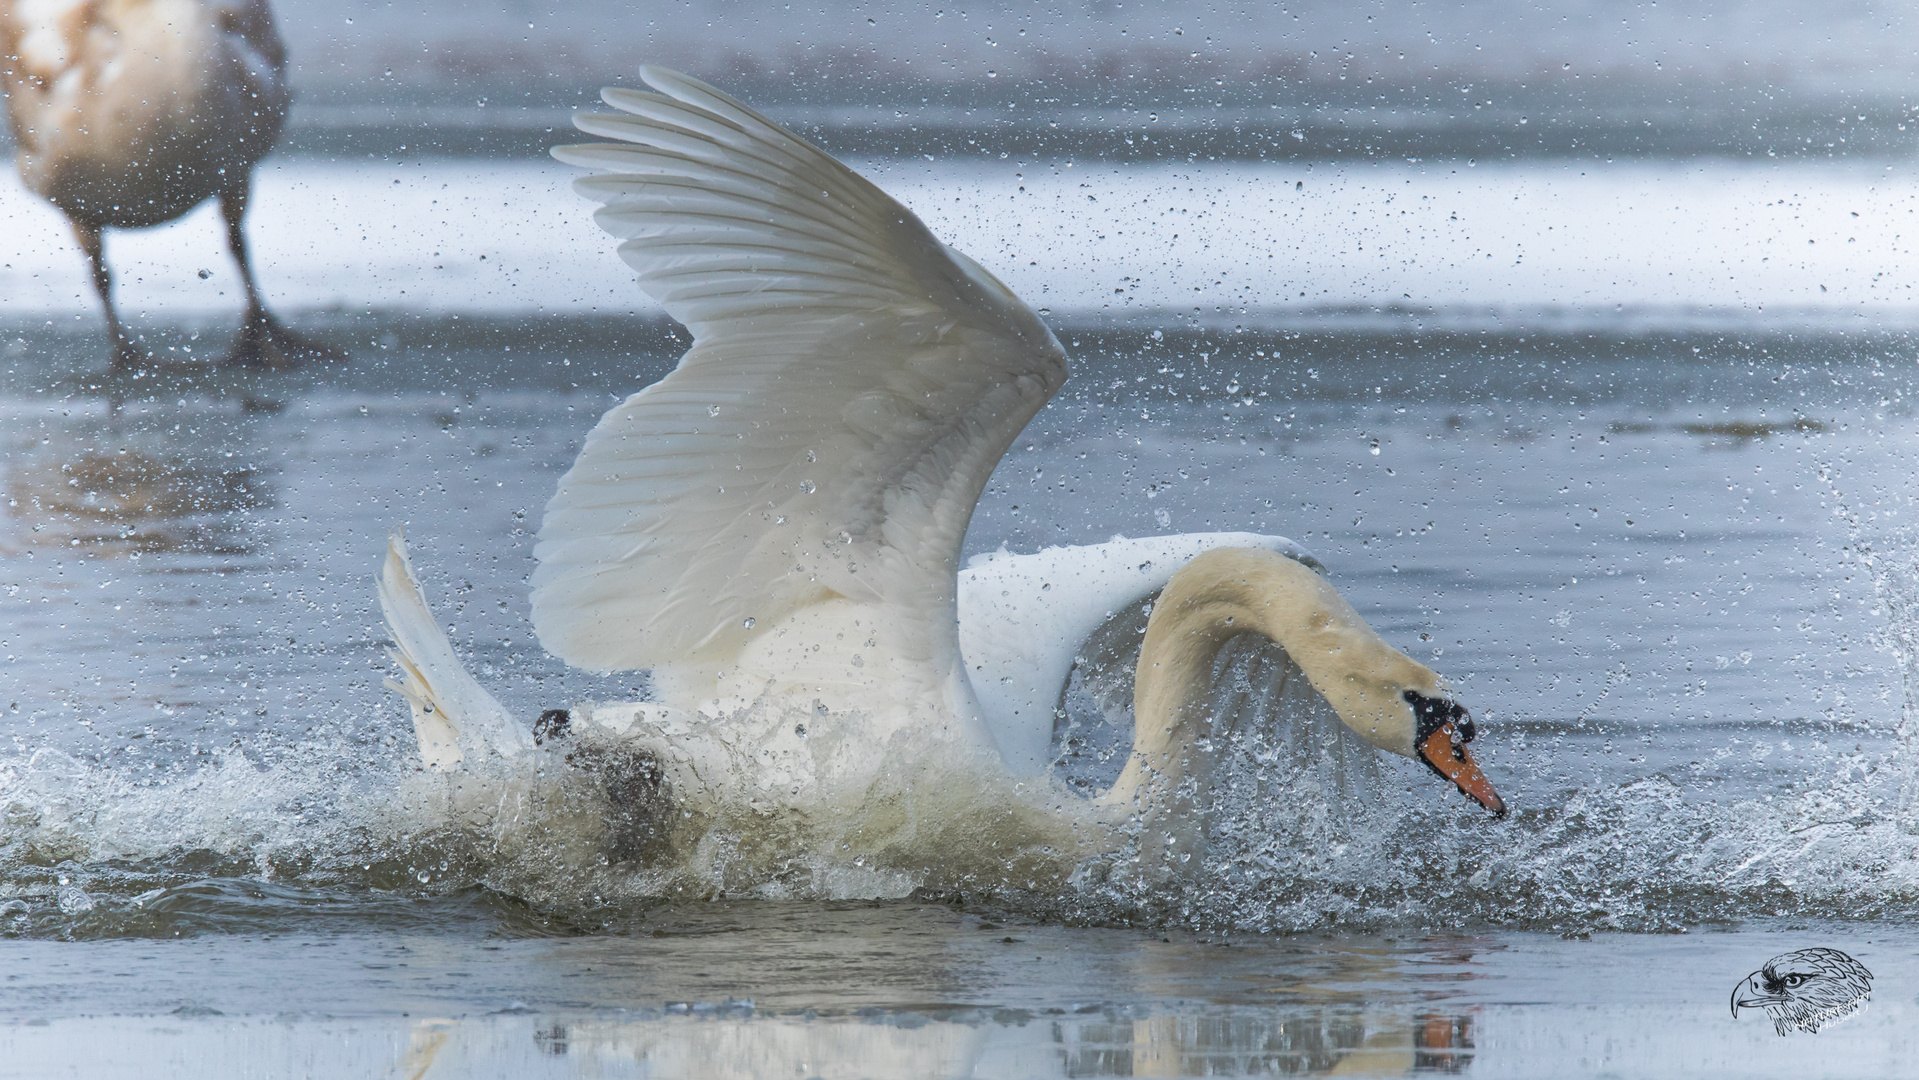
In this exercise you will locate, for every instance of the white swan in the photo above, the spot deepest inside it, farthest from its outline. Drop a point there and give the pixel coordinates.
(129, 113)
(774, 528)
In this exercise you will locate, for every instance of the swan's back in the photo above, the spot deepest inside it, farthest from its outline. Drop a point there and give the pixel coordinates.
(851, 385)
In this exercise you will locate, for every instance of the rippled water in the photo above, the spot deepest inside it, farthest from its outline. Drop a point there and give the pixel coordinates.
(1668, 614)
(1668, 560)
(909, 990)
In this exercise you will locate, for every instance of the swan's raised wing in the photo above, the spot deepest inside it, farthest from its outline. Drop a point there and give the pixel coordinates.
(852, 383)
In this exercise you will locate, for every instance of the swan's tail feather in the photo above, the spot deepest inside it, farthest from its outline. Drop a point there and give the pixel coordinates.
(454, 718)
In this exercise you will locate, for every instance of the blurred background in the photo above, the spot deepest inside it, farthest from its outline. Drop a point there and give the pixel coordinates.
(1307, 79)
(1664, 164)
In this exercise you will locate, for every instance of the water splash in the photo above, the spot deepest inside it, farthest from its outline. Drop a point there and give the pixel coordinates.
(1889, 552)
(1301, 834)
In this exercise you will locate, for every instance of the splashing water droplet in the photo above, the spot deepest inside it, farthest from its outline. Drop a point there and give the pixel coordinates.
(73, 900)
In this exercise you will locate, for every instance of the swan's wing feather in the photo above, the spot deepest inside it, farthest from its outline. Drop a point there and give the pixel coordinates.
(453, 715)
(851, 385)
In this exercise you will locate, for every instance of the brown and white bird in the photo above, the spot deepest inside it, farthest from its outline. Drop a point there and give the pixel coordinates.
(1805, 990)
(129, 113)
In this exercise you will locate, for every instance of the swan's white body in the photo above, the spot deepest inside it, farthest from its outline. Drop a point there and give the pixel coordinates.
(774, 528)
(1022, 619)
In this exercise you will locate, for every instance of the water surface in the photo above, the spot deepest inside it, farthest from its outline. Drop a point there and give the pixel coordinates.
(1654, 530)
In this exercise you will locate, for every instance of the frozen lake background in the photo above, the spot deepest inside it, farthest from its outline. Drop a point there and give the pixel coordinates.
(1613, 428)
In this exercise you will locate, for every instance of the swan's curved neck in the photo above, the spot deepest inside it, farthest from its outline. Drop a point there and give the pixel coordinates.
(1229, 592)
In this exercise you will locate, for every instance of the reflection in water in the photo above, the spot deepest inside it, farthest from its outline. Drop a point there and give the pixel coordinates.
(1314, 1044)
(423, 1046)
(833, 996)
(1443, 1043)
(1165, 1008)
(729, 1042)
(127, 500)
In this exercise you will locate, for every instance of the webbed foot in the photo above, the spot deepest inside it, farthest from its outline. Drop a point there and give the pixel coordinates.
(128, 356)
(265, 343)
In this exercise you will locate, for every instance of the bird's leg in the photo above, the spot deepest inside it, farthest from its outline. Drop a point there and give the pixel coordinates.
(233, 210)
(125, 353)
(263, 342)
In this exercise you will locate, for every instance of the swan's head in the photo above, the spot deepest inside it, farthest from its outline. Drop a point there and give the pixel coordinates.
(1386, 697)
(1441, 729)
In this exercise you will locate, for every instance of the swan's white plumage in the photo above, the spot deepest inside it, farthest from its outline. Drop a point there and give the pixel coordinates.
(1023, 618)
(851, 385)
(454, 717)
(774, 529)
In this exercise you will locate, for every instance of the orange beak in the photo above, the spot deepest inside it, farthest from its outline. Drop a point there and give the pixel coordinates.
(1446, 753)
